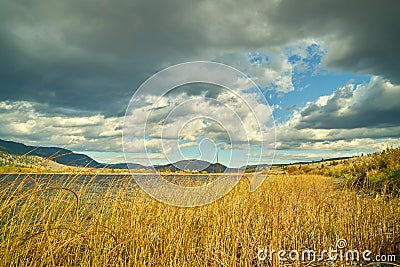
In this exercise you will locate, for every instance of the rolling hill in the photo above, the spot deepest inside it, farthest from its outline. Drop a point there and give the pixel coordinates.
(56, 154)
(193, 165)
(70, 158)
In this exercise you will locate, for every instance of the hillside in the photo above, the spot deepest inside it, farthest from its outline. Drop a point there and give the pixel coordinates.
(61, 156)
(69, 158)
(56, 154)
(26, 163)
(378, 172)
(193, 165)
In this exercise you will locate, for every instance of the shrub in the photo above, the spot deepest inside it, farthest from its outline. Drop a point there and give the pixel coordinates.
(378, 172)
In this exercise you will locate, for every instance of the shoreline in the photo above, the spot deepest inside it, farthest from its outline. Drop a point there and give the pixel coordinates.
(124, 174)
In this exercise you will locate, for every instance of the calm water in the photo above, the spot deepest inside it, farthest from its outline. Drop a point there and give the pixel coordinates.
(62, 179)
(95, 182)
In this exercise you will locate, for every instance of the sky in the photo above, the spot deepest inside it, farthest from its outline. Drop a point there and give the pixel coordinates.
(329, 71)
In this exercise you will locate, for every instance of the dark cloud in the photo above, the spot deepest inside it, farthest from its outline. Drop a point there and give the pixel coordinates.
(360, 35)
(367, 105)
(91, 55)
(197, 89)
(88, 55)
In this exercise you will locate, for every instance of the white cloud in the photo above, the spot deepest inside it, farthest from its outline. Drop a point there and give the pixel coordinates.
(237, 116)
(353, 106)
(363, 116)
(22, 122)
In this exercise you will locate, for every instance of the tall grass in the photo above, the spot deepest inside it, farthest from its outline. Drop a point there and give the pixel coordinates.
(74, 224)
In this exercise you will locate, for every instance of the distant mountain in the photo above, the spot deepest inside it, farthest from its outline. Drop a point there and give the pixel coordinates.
(125, 166)
(57, 154)
(254, 167)
(60, 155)
(193, 165)
(67, 157)
(314, 161)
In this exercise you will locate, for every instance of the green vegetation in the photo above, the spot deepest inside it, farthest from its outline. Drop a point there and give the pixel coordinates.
(10, 163)
(378, 172)
(375, 173)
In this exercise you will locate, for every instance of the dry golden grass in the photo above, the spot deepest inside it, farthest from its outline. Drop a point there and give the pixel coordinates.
(73, 225)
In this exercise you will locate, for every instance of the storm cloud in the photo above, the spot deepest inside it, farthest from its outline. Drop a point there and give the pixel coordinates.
(373, 105)
(91, 55)
(69, 68)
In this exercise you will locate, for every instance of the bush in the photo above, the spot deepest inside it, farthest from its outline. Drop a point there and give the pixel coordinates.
(292, 169)
(378, 172)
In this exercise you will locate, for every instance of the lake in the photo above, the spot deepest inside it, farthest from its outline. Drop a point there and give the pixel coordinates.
(95, 182)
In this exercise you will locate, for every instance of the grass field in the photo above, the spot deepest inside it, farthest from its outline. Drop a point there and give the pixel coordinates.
(56, 226)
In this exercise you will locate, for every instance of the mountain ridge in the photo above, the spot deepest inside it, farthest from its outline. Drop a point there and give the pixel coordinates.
(69, 158)
(193, 165)
(57, 154)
